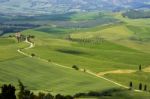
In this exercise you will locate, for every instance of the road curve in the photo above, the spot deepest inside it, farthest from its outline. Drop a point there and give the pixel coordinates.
(87, 71)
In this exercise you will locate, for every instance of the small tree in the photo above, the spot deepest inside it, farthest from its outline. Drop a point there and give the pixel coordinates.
(22, 89)
(140, 67)
(59, 96)
(49, 96)
(84, 70)
(32, 36)
(22, 38)
(145, 87)
(69, 97)
(41, 95)
(32, 54)
(18, 39)
(8, 92)
(24, 93)
(49, 60)
(75, 67)
(130, 85)
(10, 36)
(140, 86)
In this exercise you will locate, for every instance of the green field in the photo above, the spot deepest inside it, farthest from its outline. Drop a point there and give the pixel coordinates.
(39, 75)
(103, 47)
(136, 78)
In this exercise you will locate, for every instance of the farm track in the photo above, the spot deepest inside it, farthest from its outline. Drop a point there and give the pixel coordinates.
(116, 72)
(99, 75)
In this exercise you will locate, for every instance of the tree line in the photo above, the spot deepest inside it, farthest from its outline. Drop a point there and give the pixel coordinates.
(140, 86)
(135, 14)
(95, 40)
(8, 92)
(12, 28)
(20, 37)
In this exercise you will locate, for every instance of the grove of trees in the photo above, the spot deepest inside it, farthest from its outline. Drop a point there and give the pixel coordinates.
(8, 92)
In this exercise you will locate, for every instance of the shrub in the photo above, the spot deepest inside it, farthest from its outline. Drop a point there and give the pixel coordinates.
(49, 60)
(75, 67)
(32, 54)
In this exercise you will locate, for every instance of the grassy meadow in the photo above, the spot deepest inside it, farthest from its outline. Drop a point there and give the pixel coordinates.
(120, 44)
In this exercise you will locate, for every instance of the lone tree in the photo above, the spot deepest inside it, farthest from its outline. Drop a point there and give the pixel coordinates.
(130, 85)
(140, 67)
(75, 67)
(29, 37)
(84, 70)
(49, 60)
(145, 87)
(8, 92)
(140, 86)
(18, 37)
(32, 54)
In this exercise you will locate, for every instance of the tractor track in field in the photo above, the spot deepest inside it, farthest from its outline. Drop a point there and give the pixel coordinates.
(99, 75)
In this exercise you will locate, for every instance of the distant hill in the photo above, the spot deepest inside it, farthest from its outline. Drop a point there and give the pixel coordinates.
(135, 14)
(59, 6)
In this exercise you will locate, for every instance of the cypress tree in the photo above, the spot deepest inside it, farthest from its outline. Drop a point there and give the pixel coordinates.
(140, 86)
(140, 67)
(145, 87)
(131, 85)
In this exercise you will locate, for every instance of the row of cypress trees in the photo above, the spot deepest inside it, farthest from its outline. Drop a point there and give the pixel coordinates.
(141, 86)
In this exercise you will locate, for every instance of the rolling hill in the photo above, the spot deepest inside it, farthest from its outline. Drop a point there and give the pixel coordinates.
(78, 52)
(63, 6)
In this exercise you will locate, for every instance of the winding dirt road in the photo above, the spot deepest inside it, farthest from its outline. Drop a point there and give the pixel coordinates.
(31, 46)
(117, 72)
(99, 75)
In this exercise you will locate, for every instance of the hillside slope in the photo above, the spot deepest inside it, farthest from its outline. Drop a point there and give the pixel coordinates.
(55, 6)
